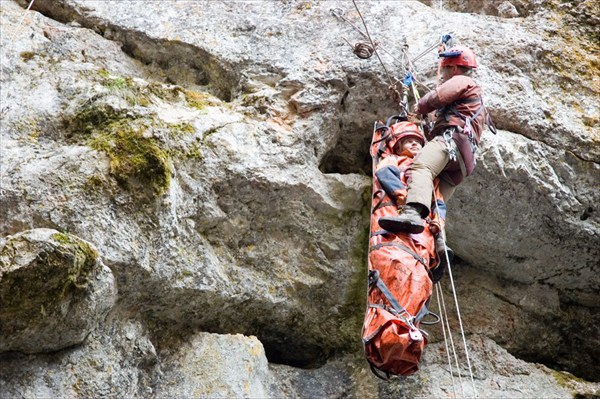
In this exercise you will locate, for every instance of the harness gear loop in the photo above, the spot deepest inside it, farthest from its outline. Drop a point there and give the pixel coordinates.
(471, 137)
(436, 319)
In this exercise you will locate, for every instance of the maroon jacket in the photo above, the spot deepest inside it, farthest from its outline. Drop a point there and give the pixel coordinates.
(455, 100)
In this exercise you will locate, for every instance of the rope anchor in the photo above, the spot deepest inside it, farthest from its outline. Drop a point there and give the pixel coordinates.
(363, 50)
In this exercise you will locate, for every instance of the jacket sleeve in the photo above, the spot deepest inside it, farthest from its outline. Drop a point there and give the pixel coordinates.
(389, 178)
(445, 94)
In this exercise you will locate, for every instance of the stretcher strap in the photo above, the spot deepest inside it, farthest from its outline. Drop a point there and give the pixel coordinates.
(374, 280)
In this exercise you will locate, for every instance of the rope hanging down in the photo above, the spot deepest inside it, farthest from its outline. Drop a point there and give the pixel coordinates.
(18, 28)
(458, 316)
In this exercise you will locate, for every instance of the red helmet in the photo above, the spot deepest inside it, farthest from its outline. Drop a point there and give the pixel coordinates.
(403, 130)
(459, 55)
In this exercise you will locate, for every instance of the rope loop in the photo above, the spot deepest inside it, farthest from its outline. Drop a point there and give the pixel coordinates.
(364, 50)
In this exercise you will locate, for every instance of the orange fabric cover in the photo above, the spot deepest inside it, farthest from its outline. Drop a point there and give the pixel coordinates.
(388, 345)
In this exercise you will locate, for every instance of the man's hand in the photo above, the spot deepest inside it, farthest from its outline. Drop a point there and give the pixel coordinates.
(416, 109)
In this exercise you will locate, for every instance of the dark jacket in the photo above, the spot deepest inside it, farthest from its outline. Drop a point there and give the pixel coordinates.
(456, 100)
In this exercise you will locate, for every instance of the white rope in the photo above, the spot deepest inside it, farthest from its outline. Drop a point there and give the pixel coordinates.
(18, 28)
(452, 346)
(444, 321)
(443, 233)
(462, 331)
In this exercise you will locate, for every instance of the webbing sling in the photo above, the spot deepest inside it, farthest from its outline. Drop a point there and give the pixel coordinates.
(374, 280)
(451, 109)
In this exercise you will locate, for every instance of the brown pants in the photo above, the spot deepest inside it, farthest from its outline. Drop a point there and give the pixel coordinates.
(430, 162)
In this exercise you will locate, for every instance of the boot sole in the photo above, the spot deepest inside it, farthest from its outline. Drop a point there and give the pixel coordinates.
(394, 226)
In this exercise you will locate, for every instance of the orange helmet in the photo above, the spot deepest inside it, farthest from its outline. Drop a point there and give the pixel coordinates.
(406, 130)
(459, 55)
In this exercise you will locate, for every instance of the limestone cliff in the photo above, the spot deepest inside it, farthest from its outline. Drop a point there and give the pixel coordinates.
(187, 183)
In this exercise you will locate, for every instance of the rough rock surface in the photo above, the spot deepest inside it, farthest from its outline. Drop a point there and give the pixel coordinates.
(211, 365)
(215, 154)
(53, 289)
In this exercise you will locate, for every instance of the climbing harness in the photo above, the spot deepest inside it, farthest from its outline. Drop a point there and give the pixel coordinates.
(467, 128)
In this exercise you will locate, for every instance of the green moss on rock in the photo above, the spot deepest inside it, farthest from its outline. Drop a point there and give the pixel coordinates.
(356, 294)
(85, 259)
(199, 100)
(574, 384)
(134, 158)
(139, 145)
(32, 291)
(93, 117)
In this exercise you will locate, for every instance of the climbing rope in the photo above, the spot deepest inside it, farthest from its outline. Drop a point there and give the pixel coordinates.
(396, 94)
(446, 41)
(340, 14)
(458, 315)
(366, 49)
(445, 326)
(444, 316)
(18, 28)
(363, 50)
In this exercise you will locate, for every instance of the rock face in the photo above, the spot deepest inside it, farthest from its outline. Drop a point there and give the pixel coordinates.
(216, 156)
(211, 365)
(54, 291)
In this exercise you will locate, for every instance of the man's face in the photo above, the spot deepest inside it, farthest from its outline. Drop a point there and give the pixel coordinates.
(411, 144)
(447, 72)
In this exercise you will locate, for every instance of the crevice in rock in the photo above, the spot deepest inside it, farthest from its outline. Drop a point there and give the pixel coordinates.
(288, 346)
(586, 213)
(365, 100)
(180, 63)
(351, 153)
(556, 335)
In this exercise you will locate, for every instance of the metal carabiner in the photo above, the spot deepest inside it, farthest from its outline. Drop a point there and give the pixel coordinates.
(450, 145)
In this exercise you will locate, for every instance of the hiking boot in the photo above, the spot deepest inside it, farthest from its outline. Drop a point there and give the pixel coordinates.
(409, 221)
